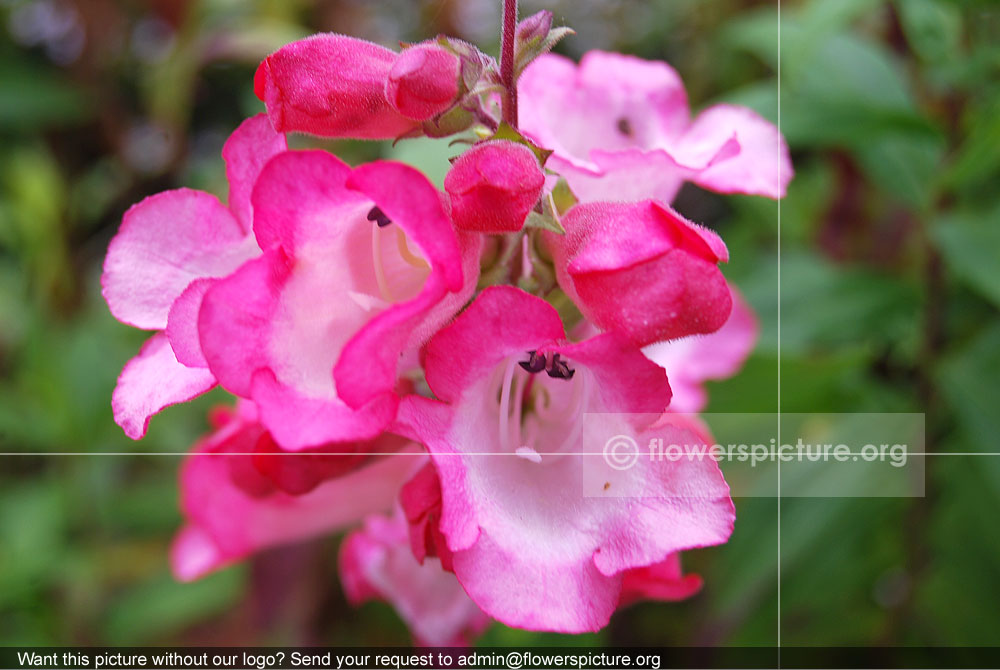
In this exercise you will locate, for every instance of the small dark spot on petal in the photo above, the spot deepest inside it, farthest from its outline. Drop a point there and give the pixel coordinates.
(607, 485)
(624, 127)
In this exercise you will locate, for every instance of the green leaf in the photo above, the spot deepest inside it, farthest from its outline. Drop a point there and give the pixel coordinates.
(933, 28)
(506, 132)
(970, 383)
(970, 245)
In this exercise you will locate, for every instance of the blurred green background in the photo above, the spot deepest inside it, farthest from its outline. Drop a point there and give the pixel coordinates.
(889, 275)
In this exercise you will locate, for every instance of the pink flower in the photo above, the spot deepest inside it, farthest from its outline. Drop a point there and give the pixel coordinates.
(506, 440)
(641, 269)
(621, 130)
(232, 511)
(691, 361)
(376, 563)
(493, 186)
(168, 250)
(359, 268)
(338, 86)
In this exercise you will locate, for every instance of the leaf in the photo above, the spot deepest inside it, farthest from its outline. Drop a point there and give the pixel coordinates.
(970, 383)
(933, 28)
(970, 245)
(506, 132)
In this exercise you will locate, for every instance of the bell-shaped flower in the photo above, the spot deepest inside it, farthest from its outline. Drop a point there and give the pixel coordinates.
(530, 544)
(621, 129)
(359, 268)
(493, 186)
(641, 269)
(231, 510)
(168, 250)
(338, 86)
(376, 563)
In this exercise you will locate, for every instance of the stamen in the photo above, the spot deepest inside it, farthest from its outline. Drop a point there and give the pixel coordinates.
(535, 362)
(383, 285)
(504, 416)
(407, 255)
(379, 217)
(559, 369)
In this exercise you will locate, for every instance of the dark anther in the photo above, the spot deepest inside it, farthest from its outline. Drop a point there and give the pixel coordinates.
(535, 362)
(559, 369)
(379, 217)
(625, 127)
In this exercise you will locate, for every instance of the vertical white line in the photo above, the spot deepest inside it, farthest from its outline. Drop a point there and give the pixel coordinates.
(779, 336)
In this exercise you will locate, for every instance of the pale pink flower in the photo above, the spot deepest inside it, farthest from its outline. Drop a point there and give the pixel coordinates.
(621, 130)
(511, 386)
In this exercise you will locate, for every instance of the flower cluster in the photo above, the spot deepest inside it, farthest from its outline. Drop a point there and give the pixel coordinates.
(400, 365)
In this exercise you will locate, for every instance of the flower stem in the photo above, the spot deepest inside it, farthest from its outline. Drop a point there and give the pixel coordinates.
(507, 62)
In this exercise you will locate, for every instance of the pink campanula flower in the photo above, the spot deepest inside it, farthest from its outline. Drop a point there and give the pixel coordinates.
(232, 510)
(641, 269)
(493, 186)
(506, 439)
(338, 86)
(376, 563)
(168, 251)
(621, 130)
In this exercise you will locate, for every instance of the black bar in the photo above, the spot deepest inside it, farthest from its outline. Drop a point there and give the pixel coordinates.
(504, 658)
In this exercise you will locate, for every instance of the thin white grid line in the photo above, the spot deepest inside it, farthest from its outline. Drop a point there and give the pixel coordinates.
(685, 457)
(779, 336)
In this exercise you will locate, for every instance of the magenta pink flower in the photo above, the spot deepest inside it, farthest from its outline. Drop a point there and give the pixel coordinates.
(359, 268)
(376, 563)
(514, 388)
(493, 186)
(339, 86)
(231, 511)
(621, 130)
(641, 269)
(168, 251)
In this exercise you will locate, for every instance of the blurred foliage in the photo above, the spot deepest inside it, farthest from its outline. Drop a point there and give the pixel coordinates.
(889, 279)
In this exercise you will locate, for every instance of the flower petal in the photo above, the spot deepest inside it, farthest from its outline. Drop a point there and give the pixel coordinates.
(152, 381)
(165, 242)
(761, 167)
(246, 152)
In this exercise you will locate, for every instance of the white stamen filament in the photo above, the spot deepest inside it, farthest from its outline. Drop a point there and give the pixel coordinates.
(407, 255)
(383, 285)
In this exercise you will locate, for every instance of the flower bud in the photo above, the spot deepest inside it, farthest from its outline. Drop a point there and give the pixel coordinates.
(423, 81)
(494, 186)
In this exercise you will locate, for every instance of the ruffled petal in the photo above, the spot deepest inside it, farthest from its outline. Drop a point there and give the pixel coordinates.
(761, 166)
(165, 242)
(152, 381)
(246, 152)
